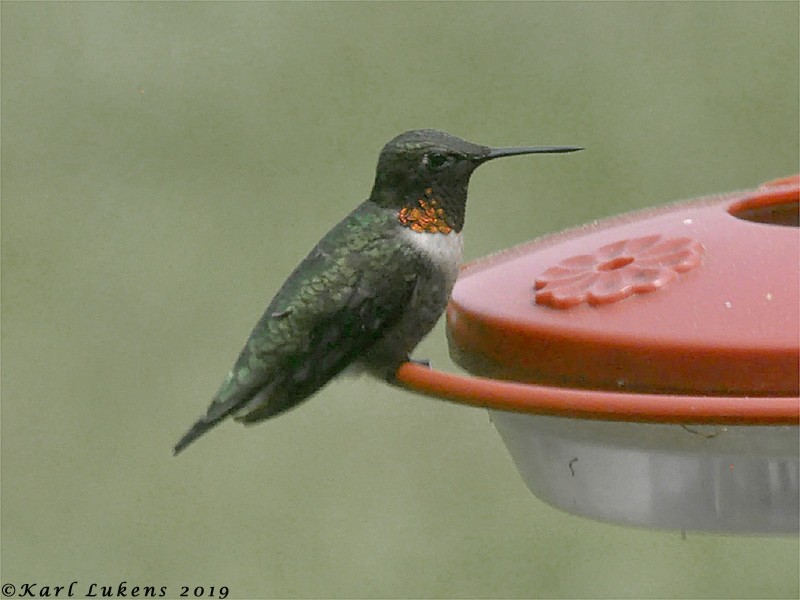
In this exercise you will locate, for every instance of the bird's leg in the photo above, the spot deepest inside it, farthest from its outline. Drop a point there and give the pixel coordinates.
(390, 375)
(424, 362)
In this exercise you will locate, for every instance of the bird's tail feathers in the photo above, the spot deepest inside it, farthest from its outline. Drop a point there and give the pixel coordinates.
(242, 406)
(216, 413)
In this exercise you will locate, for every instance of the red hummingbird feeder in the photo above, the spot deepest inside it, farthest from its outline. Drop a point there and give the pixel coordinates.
(644, 369)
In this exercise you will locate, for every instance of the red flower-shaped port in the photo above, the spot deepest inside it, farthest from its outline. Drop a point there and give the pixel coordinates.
(617, 270)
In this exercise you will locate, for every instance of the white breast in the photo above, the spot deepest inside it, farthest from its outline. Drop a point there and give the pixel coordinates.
(445, 250)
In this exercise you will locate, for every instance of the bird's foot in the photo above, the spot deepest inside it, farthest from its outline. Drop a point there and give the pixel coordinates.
(424, 362)
(391, 375)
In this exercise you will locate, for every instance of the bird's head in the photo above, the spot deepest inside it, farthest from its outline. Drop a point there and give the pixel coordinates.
(424, 174)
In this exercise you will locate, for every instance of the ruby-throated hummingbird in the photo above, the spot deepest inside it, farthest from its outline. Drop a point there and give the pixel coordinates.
(370, 290)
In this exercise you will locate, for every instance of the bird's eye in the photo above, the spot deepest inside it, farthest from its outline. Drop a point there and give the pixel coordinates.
(436, 161)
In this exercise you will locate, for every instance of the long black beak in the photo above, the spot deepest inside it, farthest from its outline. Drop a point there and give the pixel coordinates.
(500, 152)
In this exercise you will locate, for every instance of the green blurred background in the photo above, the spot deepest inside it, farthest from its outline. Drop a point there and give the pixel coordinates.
(166, 165)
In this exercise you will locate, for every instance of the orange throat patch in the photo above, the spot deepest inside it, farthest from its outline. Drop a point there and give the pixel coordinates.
(426, 217)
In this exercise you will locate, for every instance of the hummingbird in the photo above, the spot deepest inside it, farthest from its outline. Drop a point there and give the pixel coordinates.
(371, 288)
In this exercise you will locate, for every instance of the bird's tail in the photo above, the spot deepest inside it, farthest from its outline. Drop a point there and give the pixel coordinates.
(217, 412)
(245, 404)
(228, 399)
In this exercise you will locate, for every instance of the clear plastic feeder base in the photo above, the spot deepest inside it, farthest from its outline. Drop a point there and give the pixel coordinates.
(734, 479)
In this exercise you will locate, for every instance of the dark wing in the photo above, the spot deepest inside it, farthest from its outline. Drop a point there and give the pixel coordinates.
(351, 288)
(374, 305)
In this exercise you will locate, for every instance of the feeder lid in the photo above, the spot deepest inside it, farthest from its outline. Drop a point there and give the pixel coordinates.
(699, 297)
